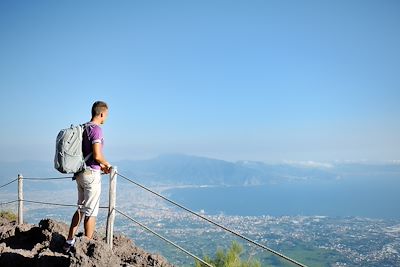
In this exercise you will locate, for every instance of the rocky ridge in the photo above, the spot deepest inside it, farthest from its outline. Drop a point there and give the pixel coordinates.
(41, 245)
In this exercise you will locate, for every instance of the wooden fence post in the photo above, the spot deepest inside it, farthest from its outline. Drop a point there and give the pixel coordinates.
(111, 206)
(20, 200)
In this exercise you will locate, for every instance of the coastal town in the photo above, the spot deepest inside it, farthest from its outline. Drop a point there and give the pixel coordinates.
(312, 240)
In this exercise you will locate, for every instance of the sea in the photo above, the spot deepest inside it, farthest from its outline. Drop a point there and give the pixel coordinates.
(357, 197)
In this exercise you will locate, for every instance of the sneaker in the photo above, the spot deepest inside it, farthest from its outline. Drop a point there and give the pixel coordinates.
(68, 245)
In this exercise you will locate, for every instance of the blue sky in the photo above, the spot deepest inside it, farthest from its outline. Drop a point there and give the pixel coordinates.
(251, 80)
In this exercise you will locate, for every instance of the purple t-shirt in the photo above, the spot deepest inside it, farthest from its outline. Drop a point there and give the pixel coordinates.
(92, 134)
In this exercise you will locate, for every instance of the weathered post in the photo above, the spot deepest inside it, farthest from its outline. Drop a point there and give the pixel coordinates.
(111, 206)
(20, 200)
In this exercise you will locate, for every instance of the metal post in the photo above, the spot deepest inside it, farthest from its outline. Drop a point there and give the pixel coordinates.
(20, 200)
(111, 206)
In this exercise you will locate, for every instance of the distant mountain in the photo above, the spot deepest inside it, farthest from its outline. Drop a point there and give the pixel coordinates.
(185, 169)
(175, 169)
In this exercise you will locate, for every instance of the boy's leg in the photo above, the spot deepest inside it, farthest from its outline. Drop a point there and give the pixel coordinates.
(89, 225)
(92, 192)
(76, 219)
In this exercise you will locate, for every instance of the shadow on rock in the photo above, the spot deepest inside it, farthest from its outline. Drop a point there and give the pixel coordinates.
(15, 259)
(25, 239)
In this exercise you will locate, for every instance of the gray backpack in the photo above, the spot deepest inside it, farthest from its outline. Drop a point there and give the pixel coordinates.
(69, 156)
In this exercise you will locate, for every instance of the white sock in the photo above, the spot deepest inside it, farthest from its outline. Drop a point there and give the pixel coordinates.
(71, 242)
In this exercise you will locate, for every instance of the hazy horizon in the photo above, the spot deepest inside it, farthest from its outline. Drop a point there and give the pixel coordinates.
(304, 163)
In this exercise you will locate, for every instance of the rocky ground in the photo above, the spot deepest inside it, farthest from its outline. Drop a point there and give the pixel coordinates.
(32, 245)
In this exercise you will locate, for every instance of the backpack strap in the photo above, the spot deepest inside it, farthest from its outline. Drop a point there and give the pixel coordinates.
(84, 126)
(88, 156)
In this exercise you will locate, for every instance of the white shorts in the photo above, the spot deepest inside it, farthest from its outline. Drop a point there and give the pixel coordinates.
(89, 188)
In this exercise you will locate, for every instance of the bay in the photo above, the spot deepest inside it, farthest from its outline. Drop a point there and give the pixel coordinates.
(356, 198)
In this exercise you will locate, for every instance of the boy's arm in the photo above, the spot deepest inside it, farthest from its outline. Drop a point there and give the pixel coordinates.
(99, 157)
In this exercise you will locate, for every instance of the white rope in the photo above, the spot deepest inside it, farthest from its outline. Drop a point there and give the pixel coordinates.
(217, 224)
(163, 238)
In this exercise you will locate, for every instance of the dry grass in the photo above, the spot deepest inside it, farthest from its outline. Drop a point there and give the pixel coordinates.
(8, 215)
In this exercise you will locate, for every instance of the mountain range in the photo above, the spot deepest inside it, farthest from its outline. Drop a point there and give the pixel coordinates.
(178, 169)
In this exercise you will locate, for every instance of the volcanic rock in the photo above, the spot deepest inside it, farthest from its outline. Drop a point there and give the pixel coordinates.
(31, 245)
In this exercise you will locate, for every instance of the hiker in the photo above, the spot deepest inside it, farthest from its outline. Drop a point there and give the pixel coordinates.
(89, 180)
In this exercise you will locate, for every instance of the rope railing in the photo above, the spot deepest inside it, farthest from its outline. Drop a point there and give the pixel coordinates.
(216, 224)
(163, 238)
(9, 202)
(44, 179)
(56, 204)
(21, 200)
(4, 185)
(12, 181)
(49, 203)
(46, 203)
(112, 209)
